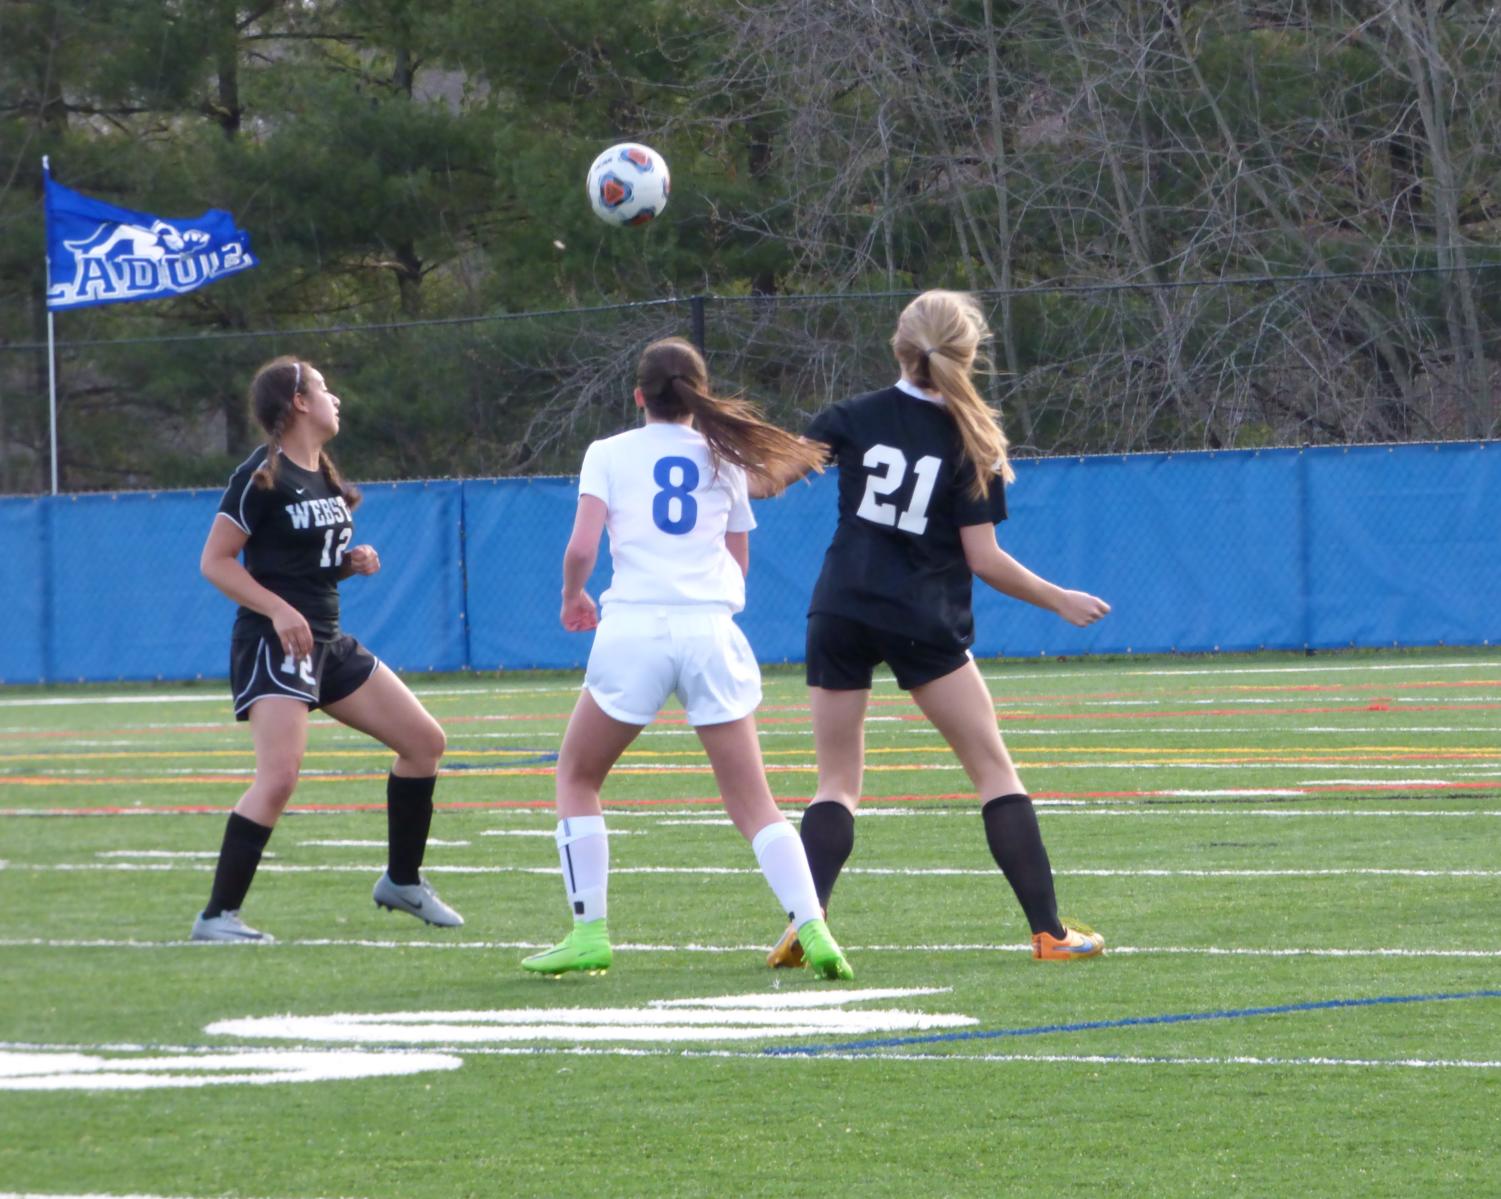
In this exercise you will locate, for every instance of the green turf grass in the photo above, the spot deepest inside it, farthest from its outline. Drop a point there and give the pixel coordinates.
(1153, 777)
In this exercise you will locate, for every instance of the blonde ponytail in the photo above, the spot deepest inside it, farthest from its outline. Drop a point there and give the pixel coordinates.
(937, 340)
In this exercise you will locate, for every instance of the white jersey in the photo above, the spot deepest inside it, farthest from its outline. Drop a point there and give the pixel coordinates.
(668, 510)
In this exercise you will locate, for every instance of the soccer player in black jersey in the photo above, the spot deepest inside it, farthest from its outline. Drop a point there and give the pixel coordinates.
(922, 474)
(287, 509)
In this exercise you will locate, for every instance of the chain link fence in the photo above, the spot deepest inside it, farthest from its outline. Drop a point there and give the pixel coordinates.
(1374, 356)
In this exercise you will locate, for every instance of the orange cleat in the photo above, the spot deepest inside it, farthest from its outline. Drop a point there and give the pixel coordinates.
(1077, 942)
(788, 952)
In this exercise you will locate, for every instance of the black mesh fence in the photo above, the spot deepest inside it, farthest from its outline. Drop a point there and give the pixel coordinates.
(1393, 355)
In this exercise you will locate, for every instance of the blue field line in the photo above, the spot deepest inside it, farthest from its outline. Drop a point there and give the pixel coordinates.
(1128, 1022)
(545, 757)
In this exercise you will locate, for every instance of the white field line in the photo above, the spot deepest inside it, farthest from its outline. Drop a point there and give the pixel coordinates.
(1084, 1059)
(643, 947)
(335, 844)
(874, 871)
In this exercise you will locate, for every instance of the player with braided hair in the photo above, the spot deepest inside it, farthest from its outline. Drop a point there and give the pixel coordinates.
(288, 511)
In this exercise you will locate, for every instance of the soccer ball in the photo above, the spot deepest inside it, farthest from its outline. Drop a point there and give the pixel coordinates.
(628, 184)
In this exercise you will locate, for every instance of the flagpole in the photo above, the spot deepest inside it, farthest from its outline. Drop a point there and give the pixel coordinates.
(52, 394)
(51, 356)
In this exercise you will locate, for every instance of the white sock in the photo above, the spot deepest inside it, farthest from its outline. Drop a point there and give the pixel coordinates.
(584, 852)
(780, 854)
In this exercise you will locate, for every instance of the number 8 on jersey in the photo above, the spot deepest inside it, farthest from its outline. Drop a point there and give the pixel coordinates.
(680, 490)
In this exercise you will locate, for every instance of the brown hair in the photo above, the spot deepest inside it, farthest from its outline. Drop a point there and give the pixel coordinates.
(674, 383)
(272, 391)
(937, 340)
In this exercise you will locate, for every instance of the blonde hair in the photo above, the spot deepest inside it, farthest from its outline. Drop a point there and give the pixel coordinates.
(674, 383)
(937, 340)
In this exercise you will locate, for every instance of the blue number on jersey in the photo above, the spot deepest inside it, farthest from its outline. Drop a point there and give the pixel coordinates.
(682, 491)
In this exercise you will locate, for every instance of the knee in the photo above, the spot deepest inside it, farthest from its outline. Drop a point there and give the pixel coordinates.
(278, 780)
(434, 743)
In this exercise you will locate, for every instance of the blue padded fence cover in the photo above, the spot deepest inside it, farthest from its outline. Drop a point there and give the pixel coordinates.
(1406, 545)
(127, 601)
(23, 590)
(515, 531)
(1323, 548)
(411, 614)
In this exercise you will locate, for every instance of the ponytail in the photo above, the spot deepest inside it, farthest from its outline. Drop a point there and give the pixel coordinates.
(937, 340)
(675, 383)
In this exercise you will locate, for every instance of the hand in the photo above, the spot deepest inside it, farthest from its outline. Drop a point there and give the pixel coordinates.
(293, 632)
(1080, 608)
(363, 560)
(579, 613)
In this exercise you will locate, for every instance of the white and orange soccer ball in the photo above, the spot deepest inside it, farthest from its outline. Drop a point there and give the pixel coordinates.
(628, 184)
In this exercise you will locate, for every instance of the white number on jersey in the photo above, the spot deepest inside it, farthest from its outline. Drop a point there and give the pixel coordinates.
(891, 464)
(337, 552)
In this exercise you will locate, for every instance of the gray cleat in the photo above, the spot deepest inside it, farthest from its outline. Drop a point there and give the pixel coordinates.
(416, 899)
(227, 926)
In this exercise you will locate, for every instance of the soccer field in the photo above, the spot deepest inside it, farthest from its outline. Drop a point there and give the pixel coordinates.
(1293, 862)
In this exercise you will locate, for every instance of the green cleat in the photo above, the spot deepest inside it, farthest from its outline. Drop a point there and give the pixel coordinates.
(823, 954)
(586, 948)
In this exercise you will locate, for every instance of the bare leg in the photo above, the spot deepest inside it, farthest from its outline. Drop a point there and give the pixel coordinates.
(839, 743)
(385, 708)
(592, 744)
(961, 709)
(735, 754)
(279, 729)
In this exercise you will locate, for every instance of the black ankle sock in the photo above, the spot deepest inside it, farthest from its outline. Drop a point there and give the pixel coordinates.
(1016, 844)
(409, 814)
(828, 834)
(239, 855)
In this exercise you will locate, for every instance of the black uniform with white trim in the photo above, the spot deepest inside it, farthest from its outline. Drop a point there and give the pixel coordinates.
(298, 531)
(895, 585)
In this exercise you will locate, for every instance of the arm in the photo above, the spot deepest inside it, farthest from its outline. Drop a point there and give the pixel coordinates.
(579, 614)
(1008, 576)
(739, 546)
(220, 565)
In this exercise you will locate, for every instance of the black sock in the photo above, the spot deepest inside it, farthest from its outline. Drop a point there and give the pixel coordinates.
(828, 834)
(239, 855)
(409, 814)
(1016, 844)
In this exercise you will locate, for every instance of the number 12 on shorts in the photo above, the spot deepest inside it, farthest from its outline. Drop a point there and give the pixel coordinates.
(679, 490)
(301, 667)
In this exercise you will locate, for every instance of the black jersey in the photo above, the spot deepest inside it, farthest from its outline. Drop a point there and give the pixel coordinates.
(896, 562)
(299, 533)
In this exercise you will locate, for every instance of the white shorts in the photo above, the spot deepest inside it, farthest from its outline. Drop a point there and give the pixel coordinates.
(643, 653)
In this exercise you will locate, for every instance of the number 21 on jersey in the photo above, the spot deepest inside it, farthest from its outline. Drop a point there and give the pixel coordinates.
(888, 467)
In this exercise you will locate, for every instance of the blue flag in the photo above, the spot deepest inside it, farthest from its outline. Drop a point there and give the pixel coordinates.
(100, 254)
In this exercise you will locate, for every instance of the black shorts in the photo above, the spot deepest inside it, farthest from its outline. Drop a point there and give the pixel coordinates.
(842, 654)
(259, 667)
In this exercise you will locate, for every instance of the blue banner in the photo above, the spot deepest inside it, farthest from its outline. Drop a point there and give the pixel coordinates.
(100, 254)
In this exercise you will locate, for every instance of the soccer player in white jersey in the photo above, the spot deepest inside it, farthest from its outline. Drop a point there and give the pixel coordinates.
(287, 511)
(673, 494)
(922, 475)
